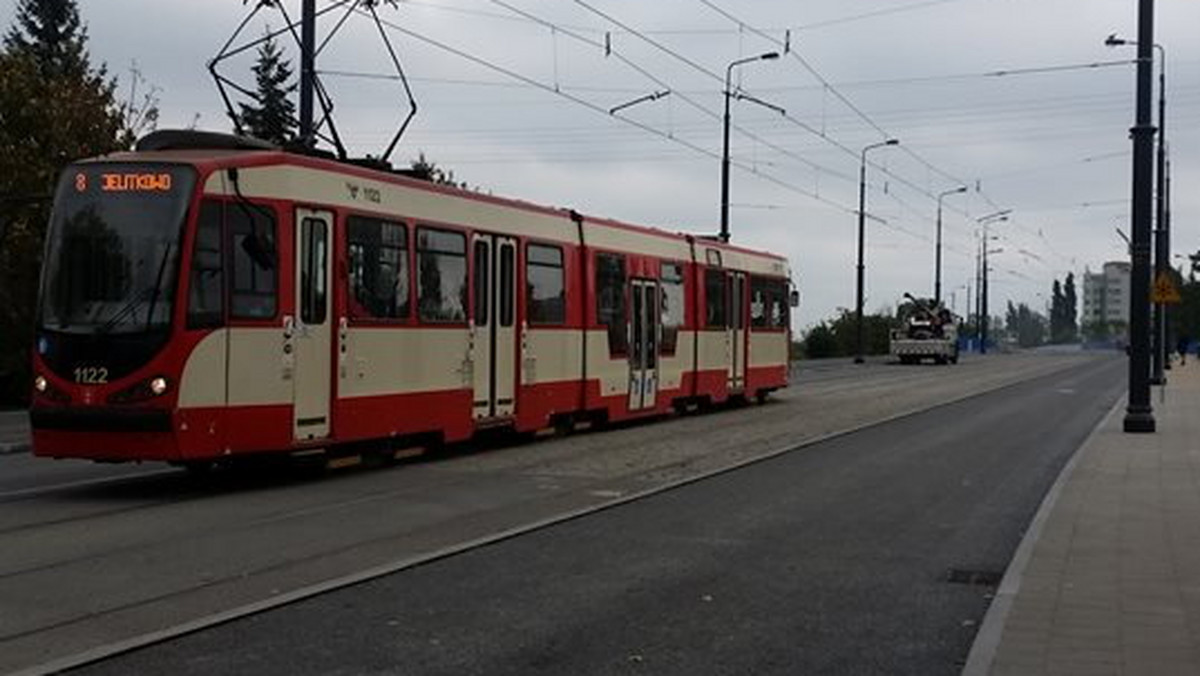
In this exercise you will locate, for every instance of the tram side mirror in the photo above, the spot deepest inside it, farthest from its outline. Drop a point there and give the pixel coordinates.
(260, 250)
(794, 298)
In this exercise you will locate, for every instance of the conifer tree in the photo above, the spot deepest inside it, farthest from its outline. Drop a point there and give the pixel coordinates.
(54, 108)
(273, 115)
(1070, 309)
(51, 33)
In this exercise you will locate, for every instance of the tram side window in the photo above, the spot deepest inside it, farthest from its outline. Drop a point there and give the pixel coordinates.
(610, 301)
(253, 253)
(482, 282)
(313, 272)
(441, 275)
(206, 293)
(508, 283)
(760, 303)
(777, 312)
(716, 300)
(671, 280)
(378, 268)
(545, 296)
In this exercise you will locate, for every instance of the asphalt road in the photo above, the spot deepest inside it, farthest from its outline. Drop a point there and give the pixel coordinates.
(831, 559)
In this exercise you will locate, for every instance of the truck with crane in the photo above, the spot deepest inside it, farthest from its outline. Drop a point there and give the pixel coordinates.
(928, 331)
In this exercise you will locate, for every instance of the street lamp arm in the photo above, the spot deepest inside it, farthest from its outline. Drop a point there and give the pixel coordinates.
(724, 236)
(937, 274)
(746, 97)
(641, 99)
(998, 216)
(761, 57)
(889, 142)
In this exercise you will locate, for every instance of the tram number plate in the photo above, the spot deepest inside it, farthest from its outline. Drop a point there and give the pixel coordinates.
(91, 375)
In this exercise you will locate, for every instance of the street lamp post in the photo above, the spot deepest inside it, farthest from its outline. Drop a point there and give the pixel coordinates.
(862, 212)
(1159, 357)
(725, 153)
(983, 320)
(1139, 413)
(937, 275)
(987, 320)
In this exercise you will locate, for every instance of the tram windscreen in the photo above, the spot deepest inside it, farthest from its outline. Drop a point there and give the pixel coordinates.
(113, 248)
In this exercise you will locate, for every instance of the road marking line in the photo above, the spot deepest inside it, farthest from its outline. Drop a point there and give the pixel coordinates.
(286, 598)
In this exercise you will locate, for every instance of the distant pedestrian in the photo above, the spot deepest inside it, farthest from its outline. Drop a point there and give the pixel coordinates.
(1182, 346)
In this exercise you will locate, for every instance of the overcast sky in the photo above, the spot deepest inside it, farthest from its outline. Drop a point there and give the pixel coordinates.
(1051, 145)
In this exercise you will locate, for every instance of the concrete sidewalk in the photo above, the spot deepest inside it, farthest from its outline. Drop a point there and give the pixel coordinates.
(14, 432)
(1107, 579)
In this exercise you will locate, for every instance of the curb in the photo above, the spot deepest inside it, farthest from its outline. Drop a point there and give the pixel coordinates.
(127, 645)
(987, 640)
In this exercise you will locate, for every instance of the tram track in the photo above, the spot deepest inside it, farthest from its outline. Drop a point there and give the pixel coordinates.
(244, 553)
(40, 491)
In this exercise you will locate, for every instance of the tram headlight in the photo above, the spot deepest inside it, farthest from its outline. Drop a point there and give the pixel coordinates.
(158, 385)
(143, 390)
(39, 384)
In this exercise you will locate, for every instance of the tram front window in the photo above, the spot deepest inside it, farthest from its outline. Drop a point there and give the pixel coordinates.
(111, 261)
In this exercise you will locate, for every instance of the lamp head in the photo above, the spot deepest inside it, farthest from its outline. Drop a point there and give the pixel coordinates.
(892, 142)
(769, 56)
(1113, 41)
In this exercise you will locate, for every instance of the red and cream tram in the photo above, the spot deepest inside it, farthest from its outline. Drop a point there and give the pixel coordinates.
(208, 296)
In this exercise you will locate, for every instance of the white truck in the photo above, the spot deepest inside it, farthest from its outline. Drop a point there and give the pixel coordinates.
(929, 331)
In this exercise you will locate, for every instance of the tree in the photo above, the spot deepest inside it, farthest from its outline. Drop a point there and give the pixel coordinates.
(1025, 325)
(1070, 310)
(820, 342)
(426, 170)
(50, 32)
(1064, 310)
(140, 111)
(272, 117)
(54, 108)
(1057, 313)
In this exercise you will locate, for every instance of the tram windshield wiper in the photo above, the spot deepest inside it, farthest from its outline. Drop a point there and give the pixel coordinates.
(129, 309)
(257, 246)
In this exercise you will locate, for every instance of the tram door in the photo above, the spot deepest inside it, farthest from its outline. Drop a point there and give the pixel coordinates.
(736, 336)
(310, 333)
(494, 331)
(643, 344)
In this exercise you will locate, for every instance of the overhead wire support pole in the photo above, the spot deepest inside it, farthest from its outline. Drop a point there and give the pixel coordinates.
(937, 275)
(725, 146)
(1160, 358)
(984, 319)
(1162, 251)
(308, 36)
(862, 230)
(1139, 413)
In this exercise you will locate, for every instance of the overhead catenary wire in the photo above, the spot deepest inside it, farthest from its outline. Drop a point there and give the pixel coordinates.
(600, 109)
(645, 128)
(712, 74)
(825, 23)
(662, 83)
(829, 87)
(906, 148)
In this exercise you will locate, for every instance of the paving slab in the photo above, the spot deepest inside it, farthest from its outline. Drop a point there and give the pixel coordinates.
(1107, 579)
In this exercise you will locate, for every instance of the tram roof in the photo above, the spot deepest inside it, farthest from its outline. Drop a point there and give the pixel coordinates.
(213, 151)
